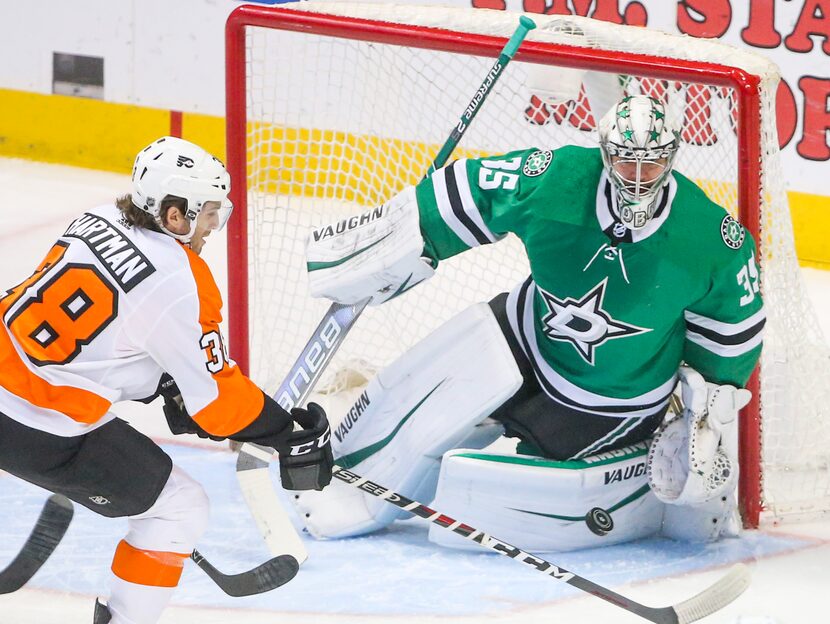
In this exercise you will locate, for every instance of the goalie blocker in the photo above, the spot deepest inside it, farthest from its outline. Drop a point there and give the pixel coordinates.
(403, 429)
(376, 255)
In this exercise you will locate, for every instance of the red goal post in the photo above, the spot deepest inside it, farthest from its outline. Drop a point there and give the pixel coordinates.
(271, 174)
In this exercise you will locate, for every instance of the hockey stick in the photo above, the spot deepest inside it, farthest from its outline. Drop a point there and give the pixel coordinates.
(265, 577)
(49, 530)
(54, 520)
(525, 26)
(715, 597)
(252, 463)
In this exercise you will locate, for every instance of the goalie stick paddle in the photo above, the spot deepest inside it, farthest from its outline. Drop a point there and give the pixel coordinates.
(265, 577)
(715, 597)
(252, 463)
(49, 530)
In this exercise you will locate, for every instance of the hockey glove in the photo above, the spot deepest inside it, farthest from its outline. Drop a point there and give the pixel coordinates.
(305, 455)
(178, 420)
(694, 455)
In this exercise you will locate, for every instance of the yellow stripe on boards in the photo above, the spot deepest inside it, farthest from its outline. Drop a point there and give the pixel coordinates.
(76, 131)
(811, 224)
(310, 162)
(206, 131)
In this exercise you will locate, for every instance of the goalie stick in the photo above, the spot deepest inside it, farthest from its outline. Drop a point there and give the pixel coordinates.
(715, 597)
(54, 520)
(252, 464)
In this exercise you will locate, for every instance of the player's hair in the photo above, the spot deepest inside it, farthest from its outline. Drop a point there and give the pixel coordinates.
(139, 218)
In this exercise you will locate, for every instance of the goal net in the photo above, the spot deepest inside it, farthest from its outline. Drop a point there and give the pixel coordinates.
(335, 107)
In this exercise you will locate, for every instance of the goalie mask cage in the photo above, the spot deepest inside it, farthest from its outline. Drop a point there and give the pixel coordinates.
(332, 108)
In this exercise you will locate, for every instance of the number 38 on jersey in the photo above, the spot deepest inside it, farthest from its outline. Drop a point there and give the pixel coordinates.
(61, 311)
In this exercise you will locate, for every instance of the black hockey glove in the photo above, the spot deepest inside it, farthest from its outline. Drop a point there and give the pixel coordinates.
(305, 455)
(178, 420)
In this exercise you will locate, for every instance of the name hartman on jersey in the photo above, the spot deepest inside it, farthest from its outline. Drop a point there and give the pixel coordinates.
(118, 255)
(352, 416)
(348, 224)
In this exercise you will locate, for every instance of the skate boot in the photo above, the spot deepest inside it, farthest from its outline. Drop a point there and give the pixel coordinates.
(102, 614)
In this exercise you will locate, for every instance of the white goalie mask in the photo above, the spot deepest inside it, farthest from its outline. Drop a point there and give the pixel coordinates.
(638, 148)
(173, 166)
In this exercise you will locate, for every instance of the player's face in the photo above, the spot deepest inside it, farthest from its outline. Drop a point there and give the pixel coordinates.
(207, 221)
(648, 172)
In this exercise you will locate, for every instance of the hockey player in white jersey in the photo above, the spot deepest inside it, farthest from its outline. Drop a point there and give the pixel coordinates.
(638, 281)
(123, 308)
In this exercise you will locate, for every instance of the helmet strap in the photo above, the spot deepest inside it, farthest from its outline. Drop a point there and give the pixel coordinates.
(184, 238)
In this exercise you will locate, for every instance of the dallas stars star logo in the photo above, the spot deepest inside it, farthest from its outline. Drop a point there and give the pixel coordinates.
(583, 322)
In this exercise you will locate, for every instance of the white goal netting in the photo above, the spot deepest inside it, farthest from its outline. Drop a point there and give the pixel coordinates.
(339, 122)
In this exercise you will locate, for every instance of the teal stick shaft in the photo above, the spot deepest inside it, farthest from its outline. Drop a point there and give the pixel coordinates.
(525, 26)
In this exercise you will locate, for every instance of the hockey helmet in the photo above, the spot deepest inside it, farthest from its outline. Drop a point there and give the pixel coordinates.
(173, 166)
(638, 146)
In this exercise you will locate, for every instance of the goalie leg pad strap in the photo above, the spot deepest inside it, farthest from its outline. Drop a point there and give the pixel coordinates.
(428, 401)
(543, 505)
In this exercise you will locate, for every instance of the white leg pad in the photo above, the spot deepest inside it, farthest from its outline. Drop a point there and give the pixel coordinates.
(543, 505)
(428, 401)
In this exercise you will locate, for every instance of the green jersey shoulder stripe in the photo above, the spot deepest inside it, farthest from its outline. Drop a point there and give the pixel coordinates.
(725, 339)
(458, 208)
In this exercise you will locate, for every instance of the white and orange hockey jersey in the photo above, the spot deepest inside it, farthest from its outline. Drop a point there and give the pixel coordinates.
(108, 310)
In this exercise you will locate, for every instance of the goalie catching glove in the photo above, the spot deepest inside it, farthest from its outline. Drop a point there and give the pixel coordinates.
(377, 255)
(694, 455)
(305, 455)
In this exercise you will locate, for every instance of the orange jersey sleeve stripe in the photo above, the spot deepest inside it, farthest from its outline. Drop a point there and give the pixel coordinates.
(239, 403)
(147, 567)
(239, 400)
(80, 405)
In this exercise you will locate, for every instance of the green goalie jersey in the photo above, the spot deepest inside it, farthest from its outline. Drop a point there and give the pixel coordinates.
(607, 314)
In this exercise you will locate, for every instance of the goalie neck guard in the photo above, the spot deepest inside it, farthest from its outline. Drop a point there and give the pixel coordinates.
(638, 148)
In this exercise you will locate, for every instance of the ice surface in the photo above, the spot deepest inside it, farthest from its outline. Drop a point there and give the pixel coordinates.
(396, 575)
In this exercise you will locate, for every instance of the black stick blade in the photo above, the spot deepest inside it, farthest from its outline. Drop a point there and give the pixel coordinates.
(49, 529)
(265, 577)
